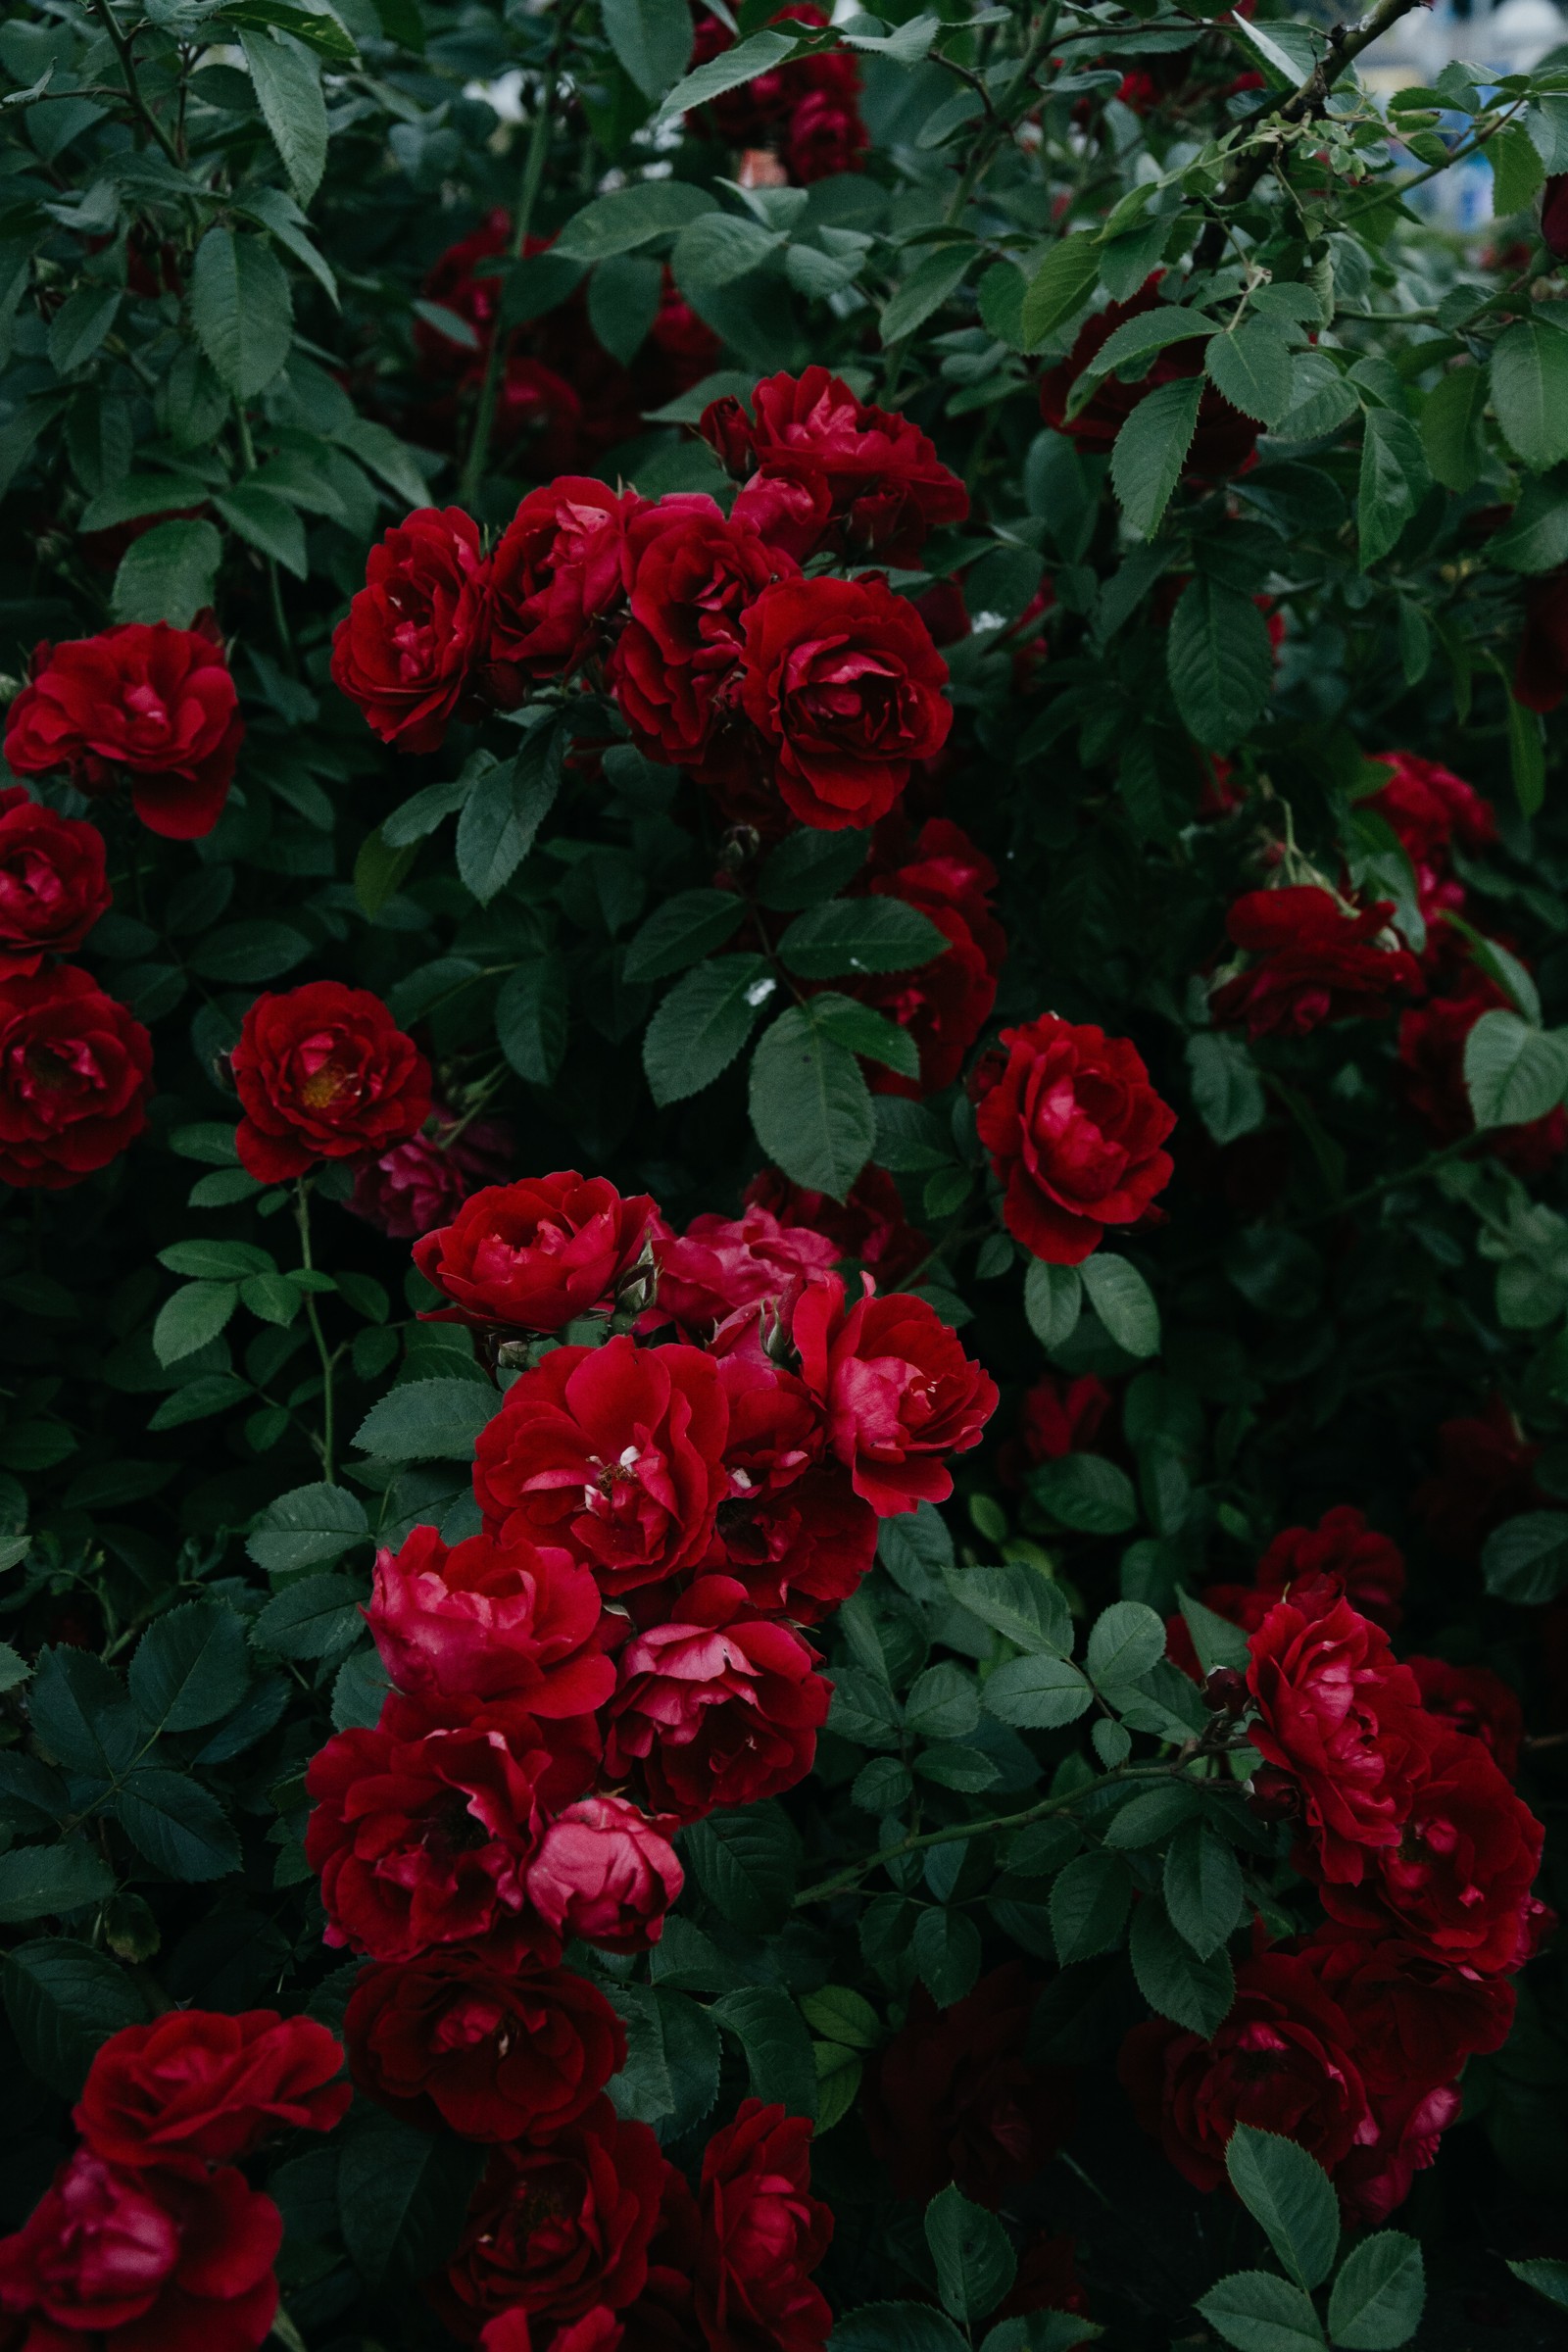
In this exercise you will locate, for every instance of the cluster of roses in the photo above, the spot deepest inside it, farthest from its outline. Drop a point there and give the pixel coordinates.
(616, 1654)
(150, 2238)
(1352, 2040)
(799, 124)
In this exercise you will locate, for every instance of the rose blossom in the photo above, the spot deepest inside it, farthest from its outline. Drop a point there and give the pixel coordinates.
(722, 1263)
(800, 1548)
(199, 2083)
(897, 1390)
(1074, 1131)
(53, 886)
(605, 1872)
(762, 2234)
(145, 701)
(1432, 809)
(1408, 2125)
(1432, 1047)
(75, 1075)
(844, 685)
(323, 1072)
(1369, 1566)
(870, 1224)
(1311, 962)
(945, 1004)
(154, 2260)
(560, 566)
(598, 2331)
(535, 1254)
(719, 1706)
(407, 648)
(492, 1617)
(1415, 2022)
(615, 1452)
(447, 2040)
(1474, 1700)
(423, 1182)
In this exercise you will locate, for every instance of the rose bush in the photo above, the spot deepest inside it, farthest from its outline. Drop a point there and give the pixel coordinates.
(784, 1429)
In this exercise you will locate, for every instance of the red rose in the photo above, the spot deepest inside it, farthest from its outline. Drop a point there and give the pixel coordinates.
(453, 283)
(1224, 441)
(420, 1843)
(535, 1256)
(762, 2234)
(945, 1004)
(675, 668)
(323, 1072)
(1311, 962)
(157, 2261)
(557, 2229)
(721, 1265)
(1540, 670)
(1063, 1416)
(1554, 214)
(74, 1076)
(1369, 1566)
(199, 2083)
(492, 1617)
(1487, 1475)
(1432, 1044)
(423, 1182)
(800, 1548)
(1431, 809)
(53, 887)
(446, 2040)
(1414, 2021)
(145, 701)
(825, 136)
(560, 565)
(615, 1452)
(1284, 2060)
(870, 1224)
(1344, 1719)
(895, 1389)
(842, 682)
(407, 648)
(952, 2096)
(1473, 1699)
(1408, 2125)
(719, 1706)
(605, 1872)
(1074, 1131)
(1457, 1885)
(598, 2331)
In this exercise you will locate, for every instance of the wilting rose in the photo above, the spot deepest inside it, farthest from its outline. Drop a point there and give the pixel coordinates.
(897, 1390)
(1224, 440)
(719, 1265)
(409, 646)
(492, 1617)
(446, 2040)
(560, 566)
(1311, 962)
(762, 2234)
(197, 2084)
(53, 886)
(1075, 1132)
(323, 1072)
(75, 1075)
(605, 1872)
(535, 1254)
(1474, 1700)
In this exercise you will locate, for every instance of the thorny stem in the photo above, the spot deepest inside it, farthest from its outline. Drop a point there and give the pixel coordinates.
(301, 1214)
(134, 91)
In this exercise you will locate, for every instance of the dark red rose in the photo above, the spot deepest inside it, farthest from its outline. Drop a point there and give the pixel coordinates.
(762, 2234)
(1473, 1699)
(719, 1706)
(145, 702)
(1432, 810)
(323, 1072)
(1432, 1044)
(446, 2040)
(829, 472)
(160, 2261)
(557, 2228)
(492, 1617)
(1311, 962)
(1415, 2021)
(844, 686)
(615, 1452)
(825, 136)
(721, 1265)
(952, 2096)
(421, 1843)
(559, 568)
(1486, 1475)
(1284, 2060)
(1075, 1132)
(1408, 2123)
(1554, 214)
(870, 1224)
(1063, 1416)
(1224, 441)
(454, 284)
(423, 1182)
(800, 1546)
(675, 668)
(1369, 1566)
(598, 2331)
(1457, 1885)
(945, 1004)
(412, 640)
(808, 108)
(75, 1075)
(605, 1872)
(896, 1390)
(1540, 670)
(199, 2083)
(1344, 1719)
(535, 1254)
(53, 886)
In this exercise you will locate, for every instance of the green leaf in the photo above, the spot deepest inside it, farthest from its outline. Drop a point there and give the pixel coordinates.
(1546, 2278)
(1086, 1492)
(266, 521)
(63, 2000)
(745, 1864)
(194, 1315)
(1290, 2194)
(1227, 1090)
(168, 574)
(653, 39)
(1202, 1888)
(503, 811)
(315, 1618)
(1125, 1641)
(288, 91)
(377, 871)
(378, 449)
(1038, 1694)
(1525, 1560)
(641, 2092)
(248, 952)
(190, 1668)
(840, 2015)
(864, 1032)
(811, 1108)
(1195, 1993)
(808, 867)
(1216, 1641)
(531, 1019)
(1061, 285)
(717, 248)
(925, 290)
(41, 1882)
(631, 216)
(861, 935)
(1053, 1301)
(427, 1420)
(79, 326)
(1025, 1608)
(703, 1023)
(1377, 2297)
(241, 311)
(177, 1824)
(325, 33)
(1393, 480)
(306, 1527)
(743, 62)
(1513, 1072)
(975, 2262)
(403, 2195)
(1140, 337)
(1123, 1302)
(1258, 2313)
(864, 1709)
(1251, 369)
(1150, 451)
(1221, 662)
(1452, 429)
(359, 1691)
(942, 1702)
(897, 2327)
(1530, 392)
(417, 817)
(1527, 753)
(946, 1950)
(81, 1714)
(683, 930)
(216, 1262)
(777, 2047)
(1089, 1902)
